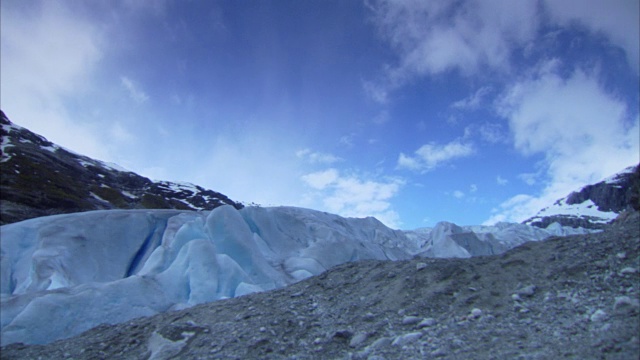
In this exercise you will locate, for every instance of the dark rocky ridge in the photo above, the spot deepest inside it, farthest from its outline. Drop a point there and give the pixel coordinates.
(40, 179)
(617, 195)
(567, 297)
(620, 193)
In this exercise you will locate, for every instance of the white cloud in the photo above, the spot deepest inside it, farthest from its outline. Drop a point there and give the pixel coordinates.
(458, 194)
(501, 181)
(616, 19)
(473, 188)
(429, 156)
(317, 157)
(354, 196)
(321, 179)
(584, 133)
(135, 93)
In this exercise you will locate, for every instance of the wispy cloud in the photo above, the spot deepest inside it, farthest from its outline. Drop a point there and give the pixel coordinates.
(501, 181)
(314, 157)
(347, 140)
(474, 100)
(381, 118)
(135, 93)
(489, 132)
(616, 19)
(431, 155)
(432, 37)
(376, 91)
(355, 196)
(528, 178)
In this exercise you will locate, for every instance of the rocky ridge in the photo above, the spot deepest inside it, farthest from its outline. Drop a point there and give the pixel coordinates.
(573, 297)
(40, 178)
(595, 205)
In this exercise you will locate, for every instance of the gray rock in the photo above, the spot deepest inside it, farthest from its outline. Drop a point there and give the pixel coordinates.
(405, 339)
(625, 302)
(358, 339)
(410, 320)
(428, 322)
(527, 291)
(598, 316)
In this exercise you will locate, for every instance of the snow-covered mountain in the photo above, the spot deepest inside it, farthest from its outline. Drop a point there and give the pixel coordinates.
(593, 206)
(40, 178)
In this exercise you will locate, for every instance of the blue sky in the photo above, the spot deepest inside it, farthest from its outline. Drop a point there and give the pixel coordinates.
(411, 111)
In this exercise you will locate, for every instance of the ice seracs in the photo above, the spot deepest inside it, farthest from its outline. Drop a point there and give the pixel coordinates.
(64, 274)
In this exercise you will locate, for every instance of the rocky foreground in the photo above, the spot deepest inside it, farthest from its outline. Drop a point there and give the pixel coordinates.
(571, 297)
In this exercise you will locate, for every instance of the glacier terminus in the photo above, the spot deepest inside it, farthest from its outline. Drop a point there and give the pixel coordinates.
(64, 274)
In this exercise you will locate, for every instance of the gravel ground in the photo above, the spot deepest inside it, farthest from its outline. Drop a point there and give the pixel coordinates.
(574, 297)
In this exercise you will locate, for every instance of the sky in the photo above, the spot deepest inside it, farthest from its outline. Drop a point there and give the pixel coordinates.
(414, 112)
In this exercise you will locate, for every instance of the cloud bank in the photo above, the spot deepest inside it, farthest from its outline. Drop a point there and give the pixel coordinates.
(583, 132)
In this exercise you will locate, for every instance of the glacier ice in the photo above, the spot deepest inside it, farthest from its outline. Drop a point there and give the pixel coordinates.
(63, 274)
(80, 270)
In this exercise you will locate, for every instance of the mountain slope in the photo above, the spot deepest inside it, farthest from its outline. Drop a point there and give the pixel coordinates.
(570, 297)
(593, 206)
(40, 178)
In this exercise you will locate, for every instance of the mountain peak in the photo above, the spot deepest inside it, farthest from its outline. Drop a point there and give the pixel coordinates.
(41, 178)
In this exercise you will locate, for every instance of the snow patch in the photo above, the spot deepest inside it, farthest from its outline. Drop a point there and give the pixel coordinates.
(85, 163)
(5, 143)
(51, 148)
(129, 195)
(93, 195)
(113, 166)
(586, 208)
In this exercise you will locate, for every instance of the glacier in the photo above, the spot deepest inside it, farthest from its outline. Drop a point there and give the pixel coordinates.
(64, 274)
